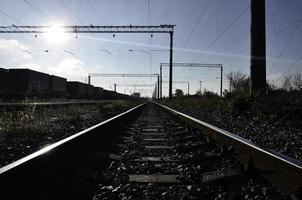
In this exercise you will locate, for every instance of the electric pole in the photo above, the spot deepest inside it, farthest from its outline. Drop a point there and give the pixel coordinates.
(89, 77)
(200, 86)
(231, 81)
(171, 65)
(163, 28)
(258, 47)
(189, 65)
(188, 88)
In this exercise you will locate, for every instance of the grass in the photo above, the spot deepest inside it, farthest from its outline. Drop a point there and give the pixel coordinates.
(272, 121)
(25, 129)
(34, 118)
(286, 106)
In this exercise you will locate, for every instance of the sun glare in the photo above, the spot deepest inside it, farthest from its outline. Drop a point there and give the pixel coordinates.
(55, 35)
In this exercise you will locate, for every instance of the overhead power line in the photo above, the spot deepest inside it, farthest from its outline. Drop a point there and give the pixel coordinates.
(225, 30)
(195, 25)
(78, 19)
(37, 9)
(284, 29)
(228, 27)
(280, 7)
(7, 15)
(217, 24)
(70, 11)
(290, 67)
(121, 75)
(285, 45)
(95, 11)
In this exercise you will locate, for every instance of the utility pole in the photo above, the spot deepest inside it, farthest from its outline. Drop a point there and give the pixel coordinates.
(161, 80)
(221, 78)
(189, 65)
(258, 47)
(156, 91)
(171, 65)
(200, 86)
(114, 87)
(89, 77)
(231, 81)
(163, 28)
(158, 88)
(188, 88)
(125, 75)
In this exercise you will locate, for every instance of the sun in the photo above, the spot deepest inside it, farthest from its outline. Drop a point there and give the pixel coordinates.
(55, 34)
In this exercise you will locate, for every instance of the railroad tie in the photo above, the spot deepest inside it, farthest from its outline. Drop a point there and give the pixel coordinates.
(155, 159)
(158, 147)
(154, 178)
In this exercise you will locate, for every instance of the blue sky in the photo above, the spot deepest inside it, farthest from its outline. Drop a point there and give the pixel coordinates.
(207, 31)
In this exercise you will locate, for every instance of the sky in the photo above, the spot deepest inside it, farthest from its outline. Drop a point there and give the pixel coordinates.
(207, 31)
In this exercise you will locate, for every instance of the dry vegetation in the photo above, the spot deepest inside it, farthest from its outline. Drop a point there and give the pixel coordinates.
(272, 121)
(25, 129)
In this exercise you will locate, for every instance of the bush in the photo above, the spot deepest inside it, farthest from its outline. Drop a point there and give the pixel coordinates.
(239, 102)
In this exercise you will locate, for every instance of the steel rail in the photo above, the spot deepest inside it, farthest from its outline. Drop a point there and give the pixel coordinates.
(27, 175)
(55, 103)
(279, 169)
(33, 172)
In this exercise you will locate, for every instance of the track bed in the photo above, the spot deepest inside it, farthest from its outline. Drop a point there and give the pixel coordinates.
(155, 156)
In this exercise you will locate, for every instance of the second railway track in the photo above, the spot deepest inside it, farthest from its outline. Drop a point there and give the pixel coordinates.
(149, 152)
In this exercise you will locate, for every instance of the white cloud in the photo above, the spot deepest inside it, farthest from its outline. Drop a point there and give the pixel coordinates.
(71, 68)
(13, 53)
(11, 45)
(31, 65)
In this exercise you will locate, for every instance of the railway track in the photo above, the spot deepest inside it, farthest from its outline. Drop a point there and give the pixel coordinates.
(51, 104)
(152, 152)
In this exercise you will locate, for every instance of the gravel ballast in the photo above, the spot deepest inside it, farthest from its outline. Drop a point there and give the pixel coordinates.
(269, 132)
